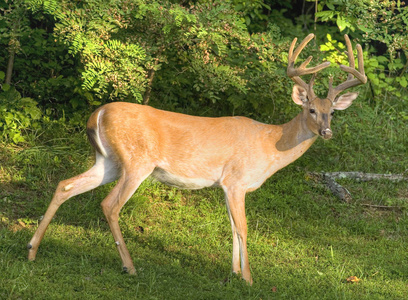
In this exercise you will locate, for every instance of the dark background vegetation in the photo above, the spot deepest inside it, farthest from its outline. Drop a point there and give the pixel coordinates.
(60, 60)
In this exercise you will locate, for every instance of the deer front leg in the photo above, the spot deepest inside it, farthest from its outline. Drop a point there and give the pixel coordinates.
(235, 200)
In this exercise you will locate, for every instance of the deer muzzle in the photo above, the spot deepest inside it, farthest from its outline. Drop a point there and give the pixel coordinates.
(326, 133)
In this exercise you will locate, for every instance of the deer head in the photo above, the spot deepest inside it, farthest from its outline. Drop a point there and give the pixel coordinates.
(318, 112)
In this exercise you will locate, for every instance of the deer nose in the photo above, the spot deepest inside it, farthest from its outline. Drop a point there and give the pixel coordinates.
(326, 133)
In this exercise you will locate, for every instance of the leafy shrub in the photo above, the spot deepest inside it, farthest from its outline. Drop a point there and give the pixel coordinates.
(16, 113)
(182, 56)
(38, 66)
(381, 25)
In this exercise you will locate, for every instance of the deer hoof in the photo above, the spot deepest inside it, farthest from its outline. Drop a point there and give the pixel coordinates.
(130, 271)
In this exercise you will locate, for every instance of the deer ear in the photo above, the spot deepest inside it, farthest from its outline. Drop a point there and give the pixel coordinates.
(299, 95)
(344, 101)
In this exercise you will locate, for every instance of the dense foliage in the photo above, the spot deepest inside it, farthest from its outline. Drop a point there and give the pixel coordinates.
(227, 57)
(381, 25)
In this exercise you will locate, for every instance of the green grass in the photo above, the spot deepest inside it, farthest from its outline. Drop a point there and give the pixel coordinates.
(303, 242)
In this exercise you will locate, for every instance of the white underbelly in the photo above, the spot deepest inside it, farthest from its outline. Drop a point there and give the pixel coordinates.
(181, 182)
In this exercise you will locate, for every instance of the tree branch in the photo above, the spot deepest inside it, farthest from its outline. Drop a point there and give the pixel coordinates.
(366, 176)
(152, 72)
(10, 65)
(329, 179)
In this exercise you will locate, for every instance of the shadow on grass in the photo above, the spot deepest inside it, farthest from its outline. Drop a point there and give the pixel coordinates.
(95, 270)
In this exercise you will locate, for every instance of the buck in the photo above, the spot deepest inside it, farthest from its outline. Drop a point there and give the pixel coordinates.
(133, 142)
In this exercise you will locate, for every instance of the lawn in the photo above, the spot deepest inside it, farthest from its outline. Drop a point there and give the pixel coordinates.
(303, 242)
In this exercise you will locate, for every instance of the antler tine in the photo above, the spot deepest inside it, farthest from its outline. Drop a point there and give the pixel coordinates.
(292, 46)
(359, 74)
(305, 63)
(350, 55)
(302, 45)
(361, 61)
(294, 73)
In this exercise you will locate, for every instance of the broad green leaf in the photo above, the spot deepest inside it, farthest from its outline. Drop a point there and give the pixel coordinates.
(325, 15)
(403, 82)
(324, 48)
(5, 87)
(342, 23)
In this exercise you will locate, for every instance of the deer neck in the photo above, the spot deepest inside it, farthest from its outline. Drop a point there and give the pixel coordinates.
(296, 135)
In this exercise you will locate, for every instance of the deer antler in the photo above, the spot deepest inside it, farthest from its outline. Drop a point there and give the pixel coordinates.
(359, 74)
(294, 73)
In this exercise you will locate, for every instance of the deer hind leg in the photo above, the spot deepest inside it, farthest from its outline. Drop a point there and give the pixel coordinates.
(103, 171)
(235, 200)
(112, 204)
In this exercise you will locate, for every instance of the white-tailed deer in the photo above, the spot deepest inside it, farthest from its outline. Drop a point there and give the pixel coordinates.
(133, 142)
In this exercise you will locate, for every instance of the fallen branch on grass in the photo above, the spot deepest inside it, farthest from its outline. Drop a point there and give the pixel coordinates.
(366, 176)
(382, 206)
(341, 192)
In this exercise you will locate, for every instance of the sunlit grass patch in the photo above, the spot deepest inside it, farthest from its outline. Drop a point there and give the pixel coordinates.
(303, 242)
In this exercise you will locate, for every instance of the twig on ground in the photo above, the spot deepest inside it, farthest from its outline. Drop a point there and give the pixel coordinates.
(366, 176)
(329, 179)
(380, 206)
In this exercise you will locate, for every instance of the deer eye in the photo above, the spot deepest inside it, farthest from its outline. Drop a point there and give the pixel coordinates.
(312, 111)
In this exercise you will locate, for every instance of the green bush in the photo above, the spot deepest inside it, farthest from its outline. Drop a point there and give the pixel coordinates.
(381, 26)
(178, 56)
(16, 113)
(203, 57)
